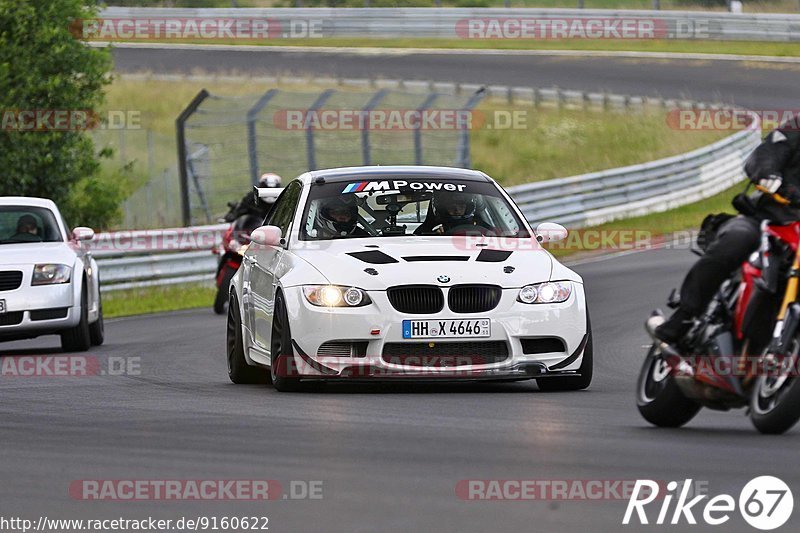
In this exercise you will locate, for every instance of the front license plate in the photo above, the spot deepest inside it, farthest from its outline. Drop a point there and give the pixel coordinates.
(426, 329)
(2, 306)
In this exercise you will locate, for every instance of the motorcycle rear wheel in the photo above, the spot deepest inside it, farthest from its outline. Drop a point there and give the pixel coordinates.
(658, 397)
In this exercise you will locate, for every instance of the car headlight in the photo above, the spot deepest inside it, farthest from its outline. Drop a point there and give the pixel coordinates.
(550, 292)
(336, 296)
(51, 274)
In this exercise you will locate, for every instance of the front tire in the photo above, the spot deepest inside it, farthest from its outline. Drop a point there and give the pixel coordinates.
(239, 371)
(97, 329)
(775, 401)
(658, 397)
(282, 357)
(78, 338)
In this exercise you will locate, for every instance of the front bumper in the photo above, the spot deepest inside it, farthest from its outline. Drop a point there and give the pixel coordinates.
(379, 324)
(29, 308)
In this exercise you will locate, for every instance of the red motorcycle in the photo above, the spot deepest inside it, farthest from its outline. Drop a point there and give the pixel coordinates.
(234, 242)
(742, 352)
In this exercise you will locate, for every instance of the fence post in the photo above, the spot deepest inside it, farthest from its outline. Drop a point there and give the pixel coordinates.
(463, 157)
(418, 130)
(180, 129)
(203, 150)
(252, 148)
(365, 147)
(151, 157)
(311, 156)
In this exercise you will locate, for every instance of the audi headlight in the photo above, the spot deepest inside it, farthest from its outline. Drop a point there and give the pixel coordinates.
(336, 296)
(551, 292)
(51, 274)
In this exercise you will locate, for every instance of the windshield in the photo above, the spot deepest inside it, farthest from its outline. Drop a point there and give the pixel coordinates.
(423, 206)
(27, 224)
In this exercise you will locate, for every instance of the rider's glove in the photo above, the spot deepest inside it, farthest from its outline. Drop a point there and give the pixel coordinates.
(771, 183)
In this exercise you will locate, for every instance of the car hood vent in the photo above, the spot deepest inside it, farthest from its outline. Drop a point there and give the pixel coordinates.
(373, 257)
(414, 258)
(493, 256)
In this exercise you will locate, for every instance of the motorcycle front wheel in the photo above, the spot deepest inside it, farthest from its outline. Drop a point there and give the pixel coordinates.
(775, 399)
(658, 397)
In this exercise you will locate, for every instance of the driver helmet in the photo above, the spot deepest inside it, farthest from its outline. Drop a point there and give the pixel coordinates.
(269, 181)
(338, 215)
(453, 208)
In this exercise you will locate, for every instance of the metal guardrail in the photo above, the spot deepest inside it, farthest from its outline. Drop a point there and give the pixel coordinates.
(179, 255)
(599, 197)
(129, 259)
(452, 22)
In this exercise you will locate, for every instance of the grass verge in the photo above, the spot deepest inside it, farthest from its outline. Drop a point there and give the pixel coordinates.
(147, 300)
(780, 49)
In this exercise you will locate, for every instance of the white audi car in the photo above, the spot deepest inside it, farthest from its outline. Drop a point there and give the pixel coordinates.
(404, 272)
(49, 282)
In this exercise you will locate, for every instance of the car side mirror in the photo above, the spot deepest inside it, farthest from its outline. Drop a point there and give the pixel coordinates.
(267, 236)
(550, 232)
(82, 233)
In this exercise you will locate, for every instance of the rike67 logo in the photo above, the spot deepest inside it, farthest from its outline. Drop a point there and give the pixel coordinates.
(765, 503)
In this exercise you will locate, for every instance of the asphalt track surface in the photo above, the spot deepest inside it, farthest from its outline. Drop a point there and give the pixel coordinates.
(389, 457)
(755, 84)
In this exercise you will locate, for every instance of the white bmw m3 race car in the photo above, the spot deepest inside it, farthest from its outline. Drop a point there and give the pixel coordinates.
(404, 272)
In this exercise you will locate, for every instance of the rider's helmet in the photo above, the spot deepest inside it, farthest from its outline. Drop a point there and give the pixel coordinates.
(453, 208)
(338, 215)
(269, 181)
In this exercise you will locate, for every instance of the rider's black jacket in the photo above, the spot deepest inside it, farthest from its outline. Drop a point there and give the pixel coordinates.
(250, 204)
(778, 154)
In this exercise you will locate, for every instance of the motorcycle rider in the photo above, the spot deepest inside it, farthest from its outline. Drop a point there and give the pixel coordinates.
(338, 217)
(449, 210)
(251, 204)
(774, 165)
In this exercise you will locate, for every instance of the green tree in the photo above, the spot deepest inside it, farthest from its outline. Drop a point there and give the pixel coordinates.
(43, 66)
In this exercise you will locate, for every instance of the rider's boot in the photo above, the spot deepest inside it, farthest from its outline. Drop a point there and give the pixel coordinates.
(675, 327)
